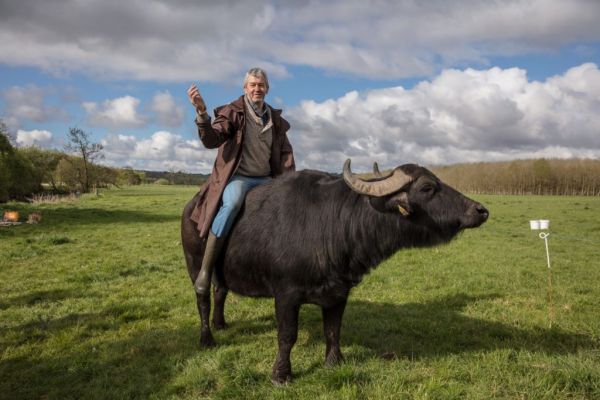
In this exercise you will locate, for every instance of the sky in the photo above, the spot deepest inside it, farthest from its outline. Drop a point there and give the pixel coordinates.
(431, 82)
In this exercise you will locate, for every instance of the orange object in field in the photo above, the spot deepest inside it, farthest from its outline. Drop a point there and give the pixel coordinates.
(11, 216)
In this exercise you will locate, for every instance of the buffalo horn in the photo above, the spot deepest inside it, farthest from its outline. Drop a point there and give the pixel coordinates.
(379, 186)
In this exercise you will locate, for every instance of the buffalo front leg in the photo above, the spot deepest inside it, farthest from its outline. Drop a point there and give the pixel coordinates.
(332, 324)
(203, 303)
(286, 311)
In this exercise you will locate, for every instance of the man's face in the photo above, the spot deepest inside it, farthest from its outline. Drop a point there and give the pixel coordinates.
(256, 89)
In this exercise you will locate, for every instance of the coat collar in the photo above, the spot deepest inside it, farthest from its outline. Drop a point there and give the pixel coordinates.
(238, 106)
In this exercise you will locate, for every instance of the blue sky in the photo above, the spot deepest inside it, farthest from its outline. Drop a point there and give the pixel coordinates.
(389, 81)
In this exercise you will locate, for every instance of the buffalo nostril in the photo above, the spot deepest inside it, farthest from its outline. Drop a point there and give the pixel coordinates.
(483, 211)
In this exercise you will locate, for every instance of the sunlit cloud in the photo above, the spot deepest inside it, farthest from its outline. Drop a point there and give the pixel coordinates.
(39, 138)
(458, 116)
(116, 113)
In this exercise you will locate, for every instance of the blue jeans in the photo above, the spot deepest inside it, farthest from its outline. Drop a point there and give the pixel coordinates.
(232, 200)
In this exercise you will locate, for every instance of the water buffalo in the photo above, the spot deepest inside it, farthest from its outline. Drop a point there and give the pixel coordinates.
(310, 236)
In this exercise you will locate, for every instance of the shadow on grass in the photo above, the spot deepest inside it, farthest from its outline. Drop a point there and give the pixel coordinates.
(84, 216)
(69, 216)
(423, 330)
(439, 328)
(93, 355)
(39, 296)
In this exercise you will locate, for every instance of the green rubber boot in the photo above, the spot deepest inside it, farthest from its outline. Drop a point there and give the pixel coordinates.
(211, 253)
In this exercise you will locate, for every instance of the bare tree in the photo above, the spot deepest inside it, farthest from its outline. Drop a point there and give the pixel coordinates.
(79, 144)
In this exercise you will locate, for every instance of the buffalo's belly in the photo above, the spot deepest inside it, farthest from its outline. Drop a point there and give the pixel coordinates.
(246, 282)
(323, 293)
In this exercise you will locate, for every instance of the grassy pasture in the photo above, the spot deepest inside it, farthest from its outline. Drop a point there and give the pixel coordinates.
(95, 303)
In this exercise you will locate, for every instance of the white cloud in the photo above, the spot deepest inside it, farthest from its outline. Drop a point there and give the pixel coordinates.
(161, 152)
(39, 138)
(116, 113)
(118, 148)
(381, 39)
(459, 116)
(161, 146)
(166, 110)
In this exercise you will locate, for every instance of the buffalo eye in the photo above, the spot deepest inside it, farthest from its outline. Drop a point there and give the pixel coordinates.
(427, 189)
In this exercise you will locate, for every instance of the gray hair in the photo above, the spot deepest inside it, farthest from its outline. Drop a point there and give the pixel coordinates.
(257, 73)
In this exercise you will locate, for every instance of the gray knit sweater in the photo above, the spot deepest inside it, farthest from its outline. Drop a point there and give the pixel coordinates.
(256, 151)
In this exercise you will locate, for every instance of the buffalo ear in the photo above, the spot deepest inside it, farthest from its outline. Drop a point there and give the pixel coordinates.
(400, 204)
(395, 204)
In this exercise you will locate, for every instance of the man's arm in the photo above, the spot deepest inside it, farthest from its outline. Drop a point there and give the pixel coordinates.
(211, 134)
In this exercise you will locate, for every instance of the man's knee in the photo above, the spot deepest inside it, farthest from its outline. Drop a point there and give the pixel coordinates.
(233, 200)
(233, 204)
(233, 196)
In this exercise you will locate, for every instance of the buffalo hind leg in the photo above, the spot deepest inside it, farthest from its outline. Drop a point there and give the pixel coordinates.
(206, 337)
(220, 294)
(332, 324)
(193, 258)
(193, 248)
(286, 311)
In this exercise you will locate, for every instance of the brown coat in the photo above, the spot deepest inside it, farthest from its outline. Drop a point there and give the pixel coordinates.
(227, 133)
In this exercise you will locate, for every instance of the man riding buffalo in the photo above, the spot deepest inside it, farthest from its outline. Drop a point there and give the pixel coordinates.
(252, 148)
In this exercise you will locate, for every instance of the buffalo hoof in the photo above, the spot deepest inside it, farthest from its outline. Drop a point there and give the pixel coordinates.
(333, 359)
(281, 378)
(207, 340)
(220, 325)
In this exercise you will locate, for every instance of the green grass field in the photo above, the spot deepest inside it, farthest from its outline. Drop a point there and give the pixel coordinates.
(95, 303)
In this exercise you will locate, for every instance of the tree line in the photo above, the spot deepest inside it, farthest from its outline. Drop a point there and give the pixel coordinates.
(574, 177)
(173, 177)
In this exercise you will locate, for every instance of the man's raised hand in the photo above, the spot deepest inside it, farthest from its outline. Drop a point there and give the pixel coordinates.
(196, 99)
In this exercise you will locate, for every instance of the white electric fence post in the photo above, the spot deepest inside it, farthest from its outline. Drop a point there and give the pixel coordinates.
(545, 224)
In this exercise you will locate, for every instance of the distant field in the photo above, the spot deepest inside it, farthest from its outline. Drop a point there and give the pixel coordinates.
(95, 303)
